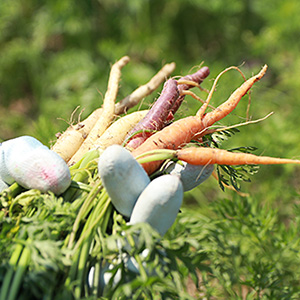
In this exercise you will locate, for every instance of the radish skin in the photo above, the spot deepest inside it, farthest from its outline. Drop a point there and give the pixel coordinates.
(3, 185)
(117, 132)
(40, 169)
(15, 149)
(34, 166)
(123, 178)
(159, 203)
(4, 175)
(190, 175)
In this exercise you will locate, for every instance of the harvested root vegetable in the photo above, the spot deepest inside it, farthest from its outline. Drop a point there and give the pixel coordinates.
(107, 115)
(34, 166)
(141, 92)
(15, 149)
(4, 175)
(117, 131)
(203, 156)
(157, 115)
(190, 175)
(210, 156)
(70, 141)
(165, 107)
(123, 178)
(195, 78)
(41, 169)
(181, 132)
(159, 204)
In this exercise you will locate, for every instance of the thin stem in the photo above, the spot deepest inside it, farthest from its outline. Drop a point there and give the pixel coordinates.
(101, 209)
(190, 93)
(22, 266)
(210, 131)
(9, 275)
(85, 208)
(160, 154)
(84, 253)
(137, 258)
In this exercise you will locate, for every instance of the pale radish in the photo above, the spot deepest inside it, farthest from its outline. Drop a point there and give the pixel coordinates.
(34, 166)
(123, 178)
(15, 149)
(159, 203)
(190, 175)
(3, 185)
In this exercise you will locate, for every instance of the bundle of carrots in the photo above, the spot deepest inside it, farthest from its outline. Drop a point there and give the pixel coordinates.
(150, 131)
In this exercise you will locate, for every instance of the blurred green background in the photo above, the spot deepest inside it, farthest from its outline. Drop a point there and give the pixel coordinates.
(56, 55)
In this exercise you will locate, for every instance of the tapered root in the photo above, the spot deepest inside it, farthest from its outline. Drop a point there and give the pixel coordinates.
(203, 156)
(228, 106)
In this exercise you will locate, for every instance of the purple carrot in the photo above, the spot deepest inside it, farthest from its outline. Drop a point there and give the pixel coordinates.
(197, 77)
(164, 108)
(157, 115)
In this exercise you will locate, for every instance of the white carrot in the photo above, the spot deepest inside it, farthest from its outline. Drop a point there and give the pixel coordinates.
(117, 131)
(70, 141)
(107, 115)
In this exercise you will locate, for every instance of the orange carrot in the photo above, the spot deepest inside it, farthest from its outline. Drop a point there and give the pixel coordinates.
(173, 136)
(204, 155)
(228, 106)
(184, 130)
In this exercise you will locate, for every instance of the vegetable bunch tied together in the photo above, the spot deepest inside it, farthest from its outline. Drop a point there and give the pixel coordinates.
(85, 217)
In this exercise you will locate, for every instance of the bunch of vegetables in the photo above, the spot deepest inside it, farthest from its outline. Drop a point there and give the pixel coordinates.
(85, 218)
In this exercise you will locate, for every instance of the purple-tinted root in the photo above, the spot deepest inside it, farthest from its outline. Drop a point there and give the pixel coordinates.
(197, 77)
(157, 115)
(163, 110)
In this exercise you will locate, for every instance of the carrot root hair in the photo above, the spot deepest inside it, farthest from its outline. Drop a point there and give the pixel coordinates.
(228, 106)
